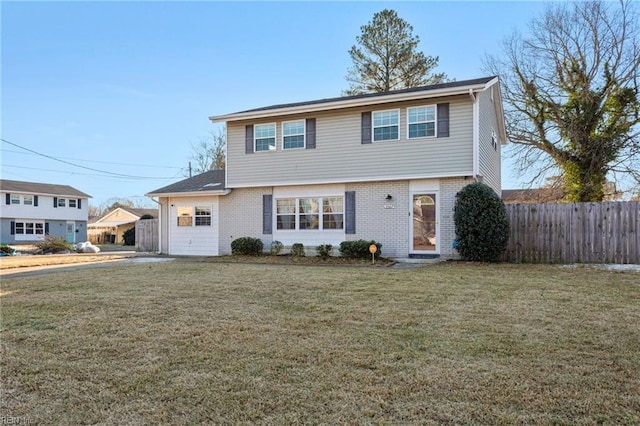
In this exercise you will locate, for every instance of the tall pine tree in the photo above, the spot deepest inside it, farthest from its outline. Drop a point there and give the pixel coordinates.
(386, 57)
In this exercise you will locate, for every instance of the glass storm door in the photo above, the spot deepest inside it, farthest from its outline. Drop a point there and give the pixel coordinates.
(71, 232)
(424, 229)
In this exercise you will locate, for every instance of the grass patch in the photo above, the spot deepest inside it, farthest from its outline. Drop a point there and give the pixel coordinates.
(199, 342)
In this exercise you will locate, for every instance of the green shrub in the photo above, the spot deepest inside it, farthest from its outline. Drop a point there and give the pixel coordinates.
(276, 248)
(6, 249)
(247, 246)
(482, 228)
(129, 237)
(324, 251)
(146, 216)
(54, 245)
(297, 250)
(359, 249)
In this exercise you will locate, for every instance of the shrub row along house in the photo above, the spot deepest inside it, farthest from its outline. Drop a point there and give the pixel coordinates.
(383, 167)
(29, 211)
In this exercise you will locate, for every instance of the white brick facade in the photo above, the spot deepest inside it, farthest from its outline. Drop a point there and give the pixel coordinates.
(378, 218)
(241, 216)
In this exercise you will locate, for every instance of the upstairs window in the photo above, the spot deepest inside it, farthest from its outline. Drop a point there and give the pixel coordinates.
(385, 125)
(72, 203)
(293, 134)
(15, 199)
(265, 137)
(62, 202)
(421, 122)
(28, 200)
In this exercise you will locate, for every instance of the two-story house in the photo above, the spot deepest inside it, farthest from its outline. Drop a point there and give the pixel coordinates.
(384, 166)
(29, 211)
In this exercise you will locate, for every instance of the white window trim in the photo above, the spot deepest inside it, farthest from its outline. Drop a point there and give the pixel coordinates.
(15, 197)
(275, 137)
(304, 133)
(196, 216)
(24, 200)
(296, 213)
(435, 122)
(373, 127)
(62, 200)
(494, 139)
(23, 235)
(75, 201)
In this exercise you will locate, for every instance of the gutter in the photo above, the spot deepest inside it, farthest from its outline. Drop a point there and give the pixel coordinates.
(349, 103)
(476, 134)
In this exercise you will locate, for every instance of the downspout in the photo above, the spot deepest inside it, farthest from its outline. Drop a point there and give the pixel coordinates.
(159, 225)
(476, 135)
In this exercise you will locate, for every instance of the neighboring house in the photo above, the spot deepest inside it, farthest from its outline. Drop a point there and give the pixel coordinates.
(384, 167)
(110, 228)
(30, 210)
(533, 195)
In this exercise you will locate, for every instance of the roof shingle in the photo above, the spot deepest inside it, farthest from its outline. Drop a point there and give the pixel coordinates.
(213, 180)
(40, 188)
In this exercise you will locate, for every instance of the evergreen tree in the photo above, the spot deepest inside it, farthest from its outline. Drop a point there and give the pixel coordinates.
(385, 57)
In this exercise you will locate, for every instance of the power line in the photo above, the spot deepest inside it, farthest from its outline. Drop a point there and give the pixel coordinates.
(79, 173)
(96, 161)
(80, 166)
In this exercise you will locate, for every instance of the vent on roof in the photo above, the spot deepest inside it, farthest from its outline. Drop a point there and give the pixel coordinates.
(211, 184)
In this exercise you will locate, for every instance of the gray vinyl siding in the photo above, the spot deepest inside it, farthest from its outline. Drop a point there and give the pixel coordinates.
(341, 157)
(489, 157)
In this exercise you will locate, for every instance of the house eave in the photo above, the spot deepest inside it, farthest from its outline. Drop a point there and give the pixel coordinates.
(351, 103)
(188, 194)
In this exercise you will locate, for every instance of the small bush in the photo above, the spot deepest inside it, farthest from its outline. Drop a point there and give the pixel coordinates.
(6, 249)
(359, 249)
(276, 248)
(482, 227)
(297, 250)
(129, 237)
(324, 251)
(247, 246)
(146, 216)
(54, 245)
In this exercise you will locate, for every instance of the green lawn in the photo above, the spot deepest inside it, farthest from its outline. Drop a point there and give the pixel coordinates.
(196, 342)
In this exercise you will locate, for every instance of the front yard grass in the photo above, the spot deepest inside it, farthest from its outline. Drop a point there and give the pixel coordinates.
(195, 342)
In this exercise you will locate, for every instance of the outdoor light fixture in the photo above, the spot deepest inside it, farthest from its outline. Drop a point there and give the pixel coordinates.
(389, 197)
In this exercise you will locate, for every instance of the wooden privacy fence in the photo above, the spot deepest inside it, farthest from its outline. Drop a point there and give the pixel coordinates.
(574, 232)
(147, 235)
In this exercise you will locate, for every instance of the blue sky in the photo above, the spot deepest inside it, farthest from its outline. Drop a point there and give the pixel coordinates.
(127, 87)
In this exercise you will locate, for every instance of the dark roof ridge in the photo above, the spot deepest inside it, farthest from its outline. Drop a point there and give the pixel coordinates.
(373, 95)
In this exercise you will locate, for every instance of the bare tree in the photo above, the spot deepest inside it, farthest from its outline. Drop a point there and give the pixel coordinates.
(209, 153)
(570, 89)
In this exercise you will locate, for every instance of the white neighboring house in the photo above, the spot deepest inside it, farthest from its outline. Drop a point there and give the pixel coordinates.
(384, 166)
(29, 211)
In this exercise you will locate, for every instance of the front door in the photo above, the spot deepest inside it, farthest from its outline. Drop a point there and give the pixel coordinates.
(71, 232)
(424, 227)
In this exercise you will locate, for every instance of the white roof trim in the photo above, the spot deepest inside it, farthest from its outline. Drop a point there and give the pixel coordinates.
(350, 103)
(188, 194)
(110, 224)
